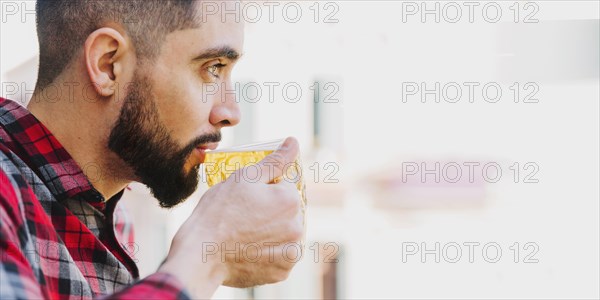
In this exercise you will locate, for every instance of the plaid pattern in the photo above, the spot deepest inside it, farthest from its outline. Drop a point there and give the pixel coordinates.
(59, 238)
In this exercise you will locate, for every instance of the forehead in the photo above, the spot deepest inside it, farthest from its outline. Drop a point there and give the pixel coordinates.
(215, 30)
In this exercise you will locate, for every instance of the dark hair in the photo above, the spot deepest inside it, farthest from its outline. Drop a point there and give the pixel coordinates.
(64, 25)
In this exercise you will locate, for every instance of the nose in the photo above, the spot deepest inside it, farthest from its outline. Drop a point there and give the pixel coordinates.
(225, 111)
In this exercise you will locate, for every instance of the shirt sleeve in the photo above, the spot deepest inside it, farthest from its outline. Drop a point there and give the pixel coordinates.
(17, 279)
(156, 286)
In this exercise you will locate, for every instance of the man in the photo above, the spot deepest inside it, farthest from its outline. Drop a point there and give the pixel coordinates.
(119, 98)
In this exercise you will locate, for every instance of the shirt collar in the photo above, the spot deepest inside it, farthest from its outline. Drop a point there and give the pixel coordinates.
(29, 139)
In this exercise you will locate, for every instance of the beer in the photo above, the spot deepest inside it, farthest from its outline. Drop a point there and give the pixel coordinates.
(220, 164)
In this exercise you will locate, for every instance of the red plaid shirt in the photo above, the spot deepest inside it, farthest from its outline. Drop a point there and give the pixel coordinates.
(59, 238)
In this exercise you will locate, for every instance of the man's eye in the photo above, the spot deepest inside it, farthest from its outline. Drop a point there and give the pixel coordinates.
(215, 70)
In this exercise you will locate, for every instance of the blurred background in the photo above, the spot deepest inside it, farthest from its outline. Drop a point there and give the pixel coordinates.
(450, 149)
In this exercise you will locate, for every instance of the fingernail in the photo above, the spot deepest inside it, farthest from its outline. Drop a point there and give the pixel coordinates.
(284, 145)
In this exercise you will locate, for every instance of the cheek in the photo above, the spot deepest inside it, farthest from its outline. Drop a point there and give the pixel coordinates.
(184, 111)
(195, 113)
(187, 114)
(182, 107)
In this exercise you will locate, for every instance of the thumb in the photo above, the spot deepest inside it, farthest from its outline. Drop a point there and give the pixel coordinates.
(275, 164)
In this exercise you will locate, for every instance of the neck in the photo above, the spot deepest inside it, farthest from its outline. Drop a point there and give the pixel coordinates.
(81, 128)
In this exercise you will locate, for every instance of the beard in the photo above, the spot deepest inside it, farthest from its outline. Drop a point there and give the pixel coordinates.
(145, 145)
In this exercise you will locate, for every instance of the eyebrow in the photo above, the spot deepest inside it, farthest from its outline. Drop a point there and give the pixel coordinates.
(224, 51)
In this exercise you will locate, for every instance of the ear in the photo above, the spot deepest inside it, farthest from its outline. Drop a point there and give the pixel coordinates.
(104, 52)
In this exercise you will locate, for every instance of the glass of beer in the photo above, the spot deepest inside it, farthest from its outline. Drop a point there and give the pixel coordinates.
(220, 164)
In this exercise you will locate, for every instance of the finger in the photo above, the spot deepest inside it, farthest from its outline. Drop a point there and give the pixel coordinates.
(274, 165)
(286, 197)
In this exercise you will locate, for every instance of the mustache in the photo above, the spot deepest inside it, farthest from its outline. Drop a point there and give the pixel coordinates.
(213, 137)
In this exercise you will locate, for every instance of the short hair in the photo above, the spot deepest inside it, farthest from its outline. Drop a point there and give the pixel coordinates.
(64, 25)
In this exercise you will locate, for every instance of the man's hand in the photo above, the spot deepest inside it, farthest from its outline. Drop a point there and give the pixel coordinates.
(238, 231)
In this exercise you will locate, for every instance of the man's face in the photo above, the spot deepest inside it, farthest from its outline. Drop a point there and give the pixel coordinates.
(174, 108)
